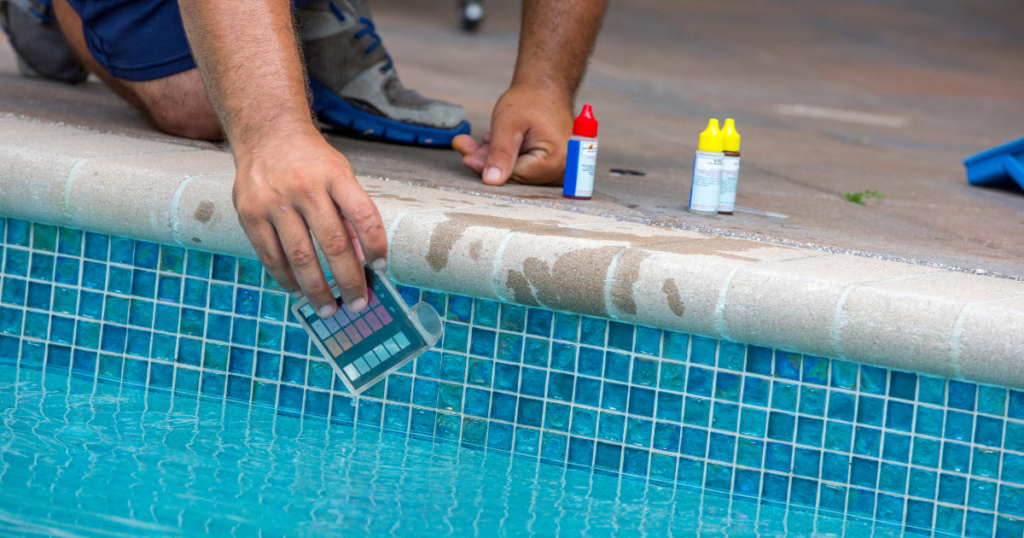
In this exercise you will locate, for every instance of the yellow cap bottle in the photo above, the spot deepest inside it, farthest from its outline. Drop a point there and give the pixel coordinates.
(711, 138)
(730, 138)
(730, 168)
(707, 171)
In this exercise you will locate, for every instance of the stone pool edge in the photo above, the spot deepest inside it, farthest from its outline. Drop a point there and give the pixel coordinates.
(885, 313)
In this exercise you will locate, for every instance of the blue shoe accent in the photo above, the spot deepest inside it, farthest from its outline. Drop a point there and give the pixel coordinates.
(341, 114)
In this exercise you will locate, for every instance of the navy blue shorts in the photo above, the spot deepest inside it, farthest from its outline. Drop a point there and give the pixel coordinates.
(136, 39)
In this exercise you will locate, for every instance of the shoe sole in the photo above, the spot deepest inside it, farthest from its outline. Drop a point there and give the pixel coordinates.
(341, 114)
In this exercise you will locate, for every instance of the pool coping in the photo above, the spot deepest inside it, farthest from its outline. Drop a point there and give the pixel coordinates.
(860, 309)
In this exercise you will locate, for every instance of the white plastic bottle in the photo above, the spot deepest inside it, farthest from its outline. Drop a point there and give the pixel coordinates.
(705, 189)
(730, 167)
(581, 159)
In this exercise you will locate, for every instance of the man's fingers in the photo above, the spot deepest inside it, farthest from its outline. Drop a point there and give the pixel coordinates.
(475, 161)
(268, 248)
(474, 154)
(359, 210)
(502, 153)
(342, 257)
(539, 167)
(298, 248)
(465, 144)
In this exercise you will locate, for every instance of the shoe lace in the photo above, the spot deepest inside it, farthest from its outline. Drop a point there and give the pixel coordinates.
(368, 30)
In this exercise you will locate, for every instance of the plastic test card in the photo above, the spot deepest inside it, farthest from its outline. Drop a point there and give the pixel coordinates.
(364, 347)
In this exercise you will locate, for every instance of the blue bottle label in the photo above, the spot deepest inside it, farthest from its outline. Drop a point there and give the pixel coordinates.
(580, 165)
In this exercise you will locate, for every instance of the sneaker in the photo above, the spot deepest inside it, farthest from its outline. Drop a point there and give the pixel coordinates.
(354, 83)
(38, 43)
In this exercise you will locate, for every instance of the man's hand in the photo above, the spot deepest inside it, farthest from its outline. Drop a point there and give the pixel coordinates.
(290, 185)
(527, 143)
(300, 185)
(532, 121)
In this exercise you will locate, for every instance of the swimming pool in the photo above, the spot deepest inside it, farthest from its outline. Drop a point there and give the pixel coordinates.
(164, 389)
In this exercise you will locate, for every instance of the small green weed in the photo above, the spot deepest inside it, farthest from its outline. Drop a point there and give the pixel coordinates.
(858, 197)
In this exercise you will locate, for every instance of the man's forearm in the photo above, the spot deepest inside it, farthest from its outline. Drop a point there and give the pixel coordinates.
(557, 38)
(249, 60)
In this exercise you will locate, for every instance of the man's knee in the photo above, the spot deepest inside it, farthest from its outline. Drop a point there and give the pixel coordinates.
(179, 105)
(184, 121)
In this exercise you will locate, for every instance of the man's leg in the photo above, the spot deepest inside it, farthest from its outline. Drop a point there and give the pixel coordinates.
(176, 104)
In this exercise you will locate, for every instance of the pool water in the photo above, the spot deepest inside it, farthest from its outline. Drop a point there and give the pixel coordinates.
(80, 458)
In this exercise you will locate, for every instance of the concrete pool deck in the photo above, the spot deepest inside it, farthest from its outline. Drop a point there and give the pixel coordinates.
(935, 81)
(935, 86)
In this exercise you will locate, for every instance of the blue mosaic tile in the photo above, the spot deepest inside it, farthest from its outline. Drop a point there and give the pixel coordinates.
(727, 386)
(42, 267)
(725, 416)
(592, 331)
(669, 406)
(460, 308)
(568, 389)
(513, 318)
(961, 395)
(648, 341)
(756, 391)
(538, 322)
(620, 336)
(732, 356)
(753, 422)
(787, 365)
(485, 313)
(784, 396)
(456, 337)
(703, 350)
(697, 411)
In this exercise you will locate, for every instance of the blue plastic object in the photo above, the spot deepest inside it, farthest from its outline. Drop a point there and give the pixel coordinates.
(997, 167)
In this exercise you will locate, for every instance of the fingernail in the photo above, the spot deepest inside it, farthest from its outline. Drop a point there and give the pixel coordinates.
(358, 305)
(296, 294)
(327, 310)
(492, 174)
(379, 263)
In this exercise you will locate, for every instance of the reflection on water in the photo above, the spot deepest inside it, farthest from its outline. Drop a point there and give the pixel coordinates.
(78, 459)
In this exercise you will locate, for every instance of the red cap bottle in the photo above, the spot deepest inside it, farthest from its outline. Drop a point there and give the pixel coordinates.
(585, 124)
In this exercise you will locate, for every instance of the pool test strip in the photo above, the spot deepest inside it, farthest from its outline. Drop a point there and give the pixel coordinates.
(364, 347)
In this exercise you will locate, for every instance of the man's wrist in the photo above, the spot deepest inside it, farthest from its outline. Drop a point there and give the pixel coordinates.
(555, 92)
(270, 137)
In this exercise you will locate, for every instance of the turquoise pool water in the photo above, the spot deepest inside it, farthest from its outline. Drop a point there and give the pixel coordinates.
(80, 458)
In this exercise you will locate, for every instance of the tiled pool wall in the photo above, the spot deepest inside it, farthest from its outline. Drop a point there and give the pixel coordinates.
(908, 449)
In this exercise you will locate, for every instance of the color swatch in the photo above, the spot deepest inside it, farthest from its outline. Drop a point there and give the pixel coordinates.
(364, 345)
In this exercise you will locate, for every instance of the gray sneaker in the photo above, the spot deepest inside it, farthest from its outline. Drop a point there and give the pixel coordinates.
(38, 42)
(354, 83)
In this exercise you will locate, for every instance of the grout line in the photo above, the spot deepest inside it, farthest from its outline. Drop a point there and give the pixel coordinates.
(955, 338)
(174, 206)
(720, 306)
(73, 173)
(839, 316)
(499, 259)
(609, 281)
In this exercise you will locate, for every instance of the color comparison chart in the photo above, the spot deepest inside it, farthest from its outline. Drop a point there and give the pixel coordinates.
(364, 345)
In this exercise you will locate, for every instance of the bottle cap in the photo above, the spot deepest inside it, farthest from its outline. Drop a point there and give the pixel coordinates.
(730, 137)
(585, 124)
(711, 138)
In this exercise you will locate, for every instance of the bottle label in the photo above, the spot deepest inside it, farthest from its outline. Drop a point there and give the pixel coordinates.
(580, 166)
(730, 177)
(706, 186)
